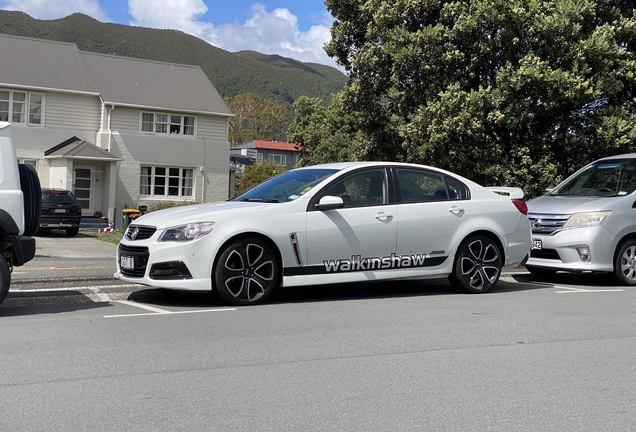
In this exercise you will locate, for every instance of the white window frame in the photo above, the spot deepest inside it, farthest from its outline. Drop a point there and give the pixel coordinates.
(259, 157)
(154, 178)
(279, 159)
(166, 123)
(26, 116)
(32, 162)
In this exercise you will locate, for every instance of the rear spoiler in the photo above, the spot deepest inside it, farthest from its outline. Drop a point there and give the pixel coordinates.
(512, 192)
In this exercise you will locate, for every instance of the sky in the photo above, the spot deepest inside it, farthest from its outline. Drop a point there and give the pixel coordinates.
(291, 28)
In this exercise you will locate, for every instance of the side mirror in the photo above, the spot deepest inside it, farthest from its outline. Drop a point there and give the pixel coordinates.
(330, 203)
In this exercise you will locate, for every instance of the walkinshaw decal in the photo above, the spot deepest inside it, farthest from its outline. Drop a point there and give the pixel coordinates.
(357, 263)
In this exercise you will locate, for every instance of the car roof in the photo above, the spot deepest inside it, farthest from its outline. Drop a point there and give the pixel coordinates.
(62, 191)
(345, 165)
(621, 156)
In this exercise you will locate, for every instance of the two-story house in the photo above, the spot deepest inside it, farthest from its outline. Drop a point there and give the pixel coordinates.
(119, 132)
(282, 153)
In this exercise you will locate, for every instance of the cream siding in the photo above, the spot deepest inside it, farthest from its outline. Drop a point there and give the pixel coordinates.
(213, 127)
(125, 120)
(71, 111)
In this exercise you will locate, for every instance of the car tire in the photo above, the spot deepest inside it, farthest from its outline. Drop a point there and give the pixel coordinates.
(477, 265)
(246, 272)
(32, 193)
(5, 278)
(72, 232)
(625, 263)
(541, 273)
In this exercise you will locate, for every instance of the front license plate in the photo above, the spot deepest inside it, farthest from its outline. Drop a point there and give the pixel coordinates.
(127, 262)
(536, 244)
(60, 210)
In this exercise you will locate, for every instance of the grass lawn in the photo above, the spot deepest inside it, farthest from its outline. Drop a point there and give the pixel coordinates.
(111, 237)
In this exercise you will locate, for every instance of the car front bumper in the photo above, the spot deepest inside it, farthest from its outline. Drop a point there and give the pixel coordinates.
(560, 251)
(182, 266)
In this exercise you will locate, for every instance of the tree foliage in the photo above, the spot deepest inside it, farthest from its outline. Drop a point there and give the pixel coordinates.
(255, 174)
(509, 92)
(324, 134)
(256, 118)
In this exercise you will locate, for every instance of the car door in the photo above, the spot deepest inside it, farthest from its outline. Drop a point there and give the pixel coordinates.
(432, 210)
(356, 237)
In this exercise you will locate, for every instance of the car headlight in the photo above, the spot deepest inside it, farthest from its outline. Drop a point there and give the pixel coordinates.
(590, 219)
(187, 232)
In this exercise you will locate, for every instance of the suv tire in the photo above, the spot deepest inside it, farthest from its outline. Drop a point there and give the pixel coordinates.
(30, 185)
(5, 278)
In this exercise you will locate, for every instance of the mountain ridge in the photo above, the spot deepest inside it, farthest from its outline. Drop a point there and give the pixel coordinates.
(278, 79)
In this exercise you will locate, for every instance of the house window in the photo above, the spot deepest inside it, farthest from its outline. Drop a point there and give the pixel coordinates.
(161, 123)
(14, 106)
(31, 162)
(259, 157)
(166, 182)
(278, 159)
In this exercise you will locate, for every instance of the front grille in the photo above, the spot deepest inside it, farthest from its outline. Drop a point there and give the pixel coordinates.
(142, 232)
(545, 254)
(542, 223)
(140, 255)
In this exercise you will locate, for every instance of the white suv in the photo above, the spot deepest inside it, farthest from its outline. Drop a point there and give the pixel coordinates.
(20, 210)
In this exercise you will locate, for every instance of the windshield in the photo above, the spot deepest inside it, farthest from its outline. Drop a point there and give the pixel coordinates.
(604, 178)
(288, 186)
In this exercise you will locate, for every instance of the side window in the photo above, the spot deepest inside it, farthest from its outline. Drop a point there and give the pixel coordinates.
(362, 189)
(421, 186)
(456, 190)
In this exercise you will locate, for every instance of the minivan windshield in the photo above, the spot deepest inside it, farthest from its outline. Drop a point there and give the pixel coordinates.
(616, 177)
(287, 186)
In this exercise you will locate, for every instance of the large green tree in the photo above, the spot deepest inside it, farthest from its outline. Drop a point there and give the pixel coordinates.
(256, 118)
(324, 134)
(516, 92)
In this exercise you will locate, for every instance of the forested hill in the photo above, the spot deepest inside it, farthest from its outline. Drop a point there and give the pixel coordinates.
(272, 77)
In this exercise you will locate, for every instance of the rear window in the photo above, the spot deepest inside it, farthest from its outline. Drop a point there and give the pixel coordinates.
(58, 197)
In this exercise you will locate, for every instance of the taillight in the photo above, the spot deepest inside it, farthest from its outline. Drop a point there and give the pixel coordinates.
(79, 209)
(521, 206)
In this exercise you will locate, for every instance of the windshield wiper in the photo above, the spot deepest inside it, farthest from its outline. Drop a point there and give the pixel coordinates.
(260, 200)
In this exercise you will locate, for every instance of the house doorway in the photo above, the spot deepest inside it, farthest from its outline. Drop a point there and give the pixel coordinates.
(82, 188)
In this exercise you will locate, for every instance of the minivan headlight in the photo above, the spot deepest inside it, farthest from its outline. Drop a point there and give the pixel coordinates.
(187, 232)
(589, 219)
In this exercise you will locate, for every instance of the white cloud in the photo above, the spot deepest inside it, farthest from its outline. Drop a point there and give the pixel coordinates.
(275, 32)
(54, 9)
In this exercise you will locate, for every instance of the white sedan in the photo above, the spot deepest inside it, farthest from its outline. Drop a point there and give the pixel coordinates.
(332, 223)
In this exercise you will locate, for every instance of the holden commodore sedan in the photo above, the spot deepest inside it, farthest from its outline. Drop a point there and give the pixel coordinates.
(332, 223)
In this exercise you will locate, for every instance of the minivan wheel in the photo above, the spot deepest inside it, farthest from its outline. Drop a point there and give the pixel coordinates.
(625, 263)
(541, 273)
(71, 232)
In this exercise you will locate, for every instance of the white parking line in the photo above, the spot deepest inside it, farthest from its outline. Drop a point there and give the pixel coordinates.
(157, 311)
(74, 288)
(581, 290)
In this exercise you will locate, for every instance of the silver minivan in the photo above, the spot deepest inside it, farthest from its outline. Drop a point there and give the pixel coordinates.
(588, 222)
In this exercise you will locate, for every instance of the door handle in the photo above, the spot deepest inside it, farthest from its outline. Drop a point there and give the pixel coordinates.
(456, 210)
(384, 216)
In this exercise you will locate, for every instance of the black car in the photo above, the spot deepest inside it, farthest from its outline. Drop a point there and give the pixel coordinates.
(60, 210)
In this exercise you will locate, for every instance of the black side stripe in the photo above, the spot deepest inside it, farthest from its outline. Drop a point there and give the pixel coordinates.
(322, 269)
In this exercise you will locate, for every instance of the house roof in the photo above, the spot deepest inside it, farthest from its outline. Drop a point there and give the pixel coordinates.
(42, 64)
(275, 145)
(75, 148)
(151, 84)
